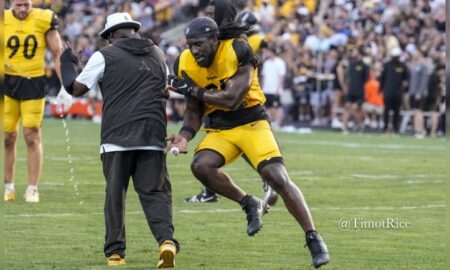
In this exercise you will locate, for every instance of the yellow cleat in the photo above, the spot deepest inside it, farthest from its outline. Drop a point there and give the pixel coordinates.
(31, 196)
(167, 252)
(115, 260)
(10, 195)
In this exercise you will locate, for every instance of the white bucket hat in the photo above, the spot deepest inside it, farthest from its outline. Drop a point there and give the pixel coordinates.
(396, 52)
(117, 21)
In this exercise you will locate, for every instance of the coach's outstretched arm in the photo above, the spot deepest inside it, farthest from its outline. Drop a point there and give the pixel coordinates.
(69, 73)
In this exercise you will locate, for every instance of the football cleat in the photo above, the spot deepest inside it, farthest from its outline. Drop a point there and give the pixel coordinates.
(115, 260)
(9, 195)
(270, 196)
(31, 196)
(202, 197)
(167, 252)
(318, 249)
(254, 208)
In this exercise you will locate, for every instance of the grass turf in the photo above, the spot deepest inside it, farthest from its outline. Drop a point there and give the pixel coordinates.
(353, 178)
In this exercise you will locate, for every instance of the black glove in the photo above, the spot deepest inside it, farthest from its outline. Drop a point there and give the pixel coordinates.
(69, 56)
(181, 86)
(68, 69)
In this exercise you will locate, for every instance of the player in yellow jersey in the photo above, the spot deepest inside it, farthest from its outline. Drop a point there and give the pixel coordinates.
(223, 12)
(218, 78)
(255, 38)
(28, 33)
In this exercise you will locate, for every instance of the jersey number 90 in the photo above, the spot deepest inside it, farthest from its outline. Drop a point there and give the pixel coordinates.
(29, 46)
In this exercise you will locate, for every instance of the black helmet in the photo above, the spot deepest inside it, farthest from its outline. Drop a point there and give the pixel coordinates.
(247, 18)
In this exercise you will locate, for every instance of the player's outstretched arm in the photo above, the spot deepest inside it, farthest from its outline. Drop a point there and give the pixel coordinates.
(192, 121)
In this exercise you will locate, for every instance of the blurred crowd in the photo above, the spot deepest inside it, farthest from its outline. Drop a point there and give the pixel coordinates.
(322, 51)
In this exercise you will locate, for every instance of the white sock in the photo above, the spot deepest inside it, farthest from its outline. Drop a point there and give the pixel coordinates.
(9, 186)
(31, 188)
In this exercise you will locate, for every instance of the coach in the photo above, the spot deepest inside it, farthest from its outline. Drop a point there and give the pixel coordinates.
(132, 76)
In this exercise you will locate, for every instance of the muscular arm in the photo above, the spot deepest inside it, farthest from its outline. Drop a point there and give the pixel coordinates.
(54, 44)
(192, 117)
(236, 88)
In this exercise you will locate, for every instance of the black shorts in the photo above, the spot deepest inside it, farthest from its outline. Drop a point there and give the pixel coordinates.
(272, 101)
(431, 105)
(416, 104)
(354, 98)
(25, 88)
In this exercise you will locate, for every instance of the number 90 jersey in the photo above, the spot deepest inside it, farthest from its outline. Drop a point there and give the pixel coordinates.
(25, 42)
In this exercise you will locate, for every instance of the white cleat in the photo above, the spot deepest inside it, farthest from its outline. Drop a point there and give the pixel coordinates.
(31, 196)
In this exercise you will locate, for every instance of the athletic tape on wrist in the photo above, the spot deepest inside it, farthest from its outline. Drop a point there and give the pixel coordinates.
(201, 93)
(188, 129)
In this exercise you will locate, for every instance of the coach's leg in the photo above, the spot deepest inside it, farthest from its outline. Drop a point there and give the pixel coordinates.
(116, 169)
(34, 154)
(152, 184)
(206, 168)
(276, 176)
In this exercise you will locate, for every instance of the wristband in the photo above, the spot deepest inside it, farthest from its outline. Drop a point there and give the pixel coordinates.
(189, 130)
(200, 93)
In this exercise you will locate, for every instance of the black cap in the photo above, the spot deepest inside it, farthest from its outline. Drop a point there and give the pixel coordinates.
(202, 27)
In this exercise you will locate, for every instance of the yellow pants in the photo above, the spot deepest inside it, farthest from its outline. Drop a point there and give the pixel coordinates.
(30, 111)
(255, 140)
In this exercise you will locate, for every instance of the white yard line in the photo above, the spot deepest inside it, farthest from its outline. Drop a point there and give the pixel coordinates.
(416, 182)
(364, 145)
(229, 210)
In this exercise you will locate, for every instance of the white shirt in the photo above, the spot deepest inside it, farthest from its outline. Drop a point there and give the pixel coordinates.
(274, 70)
(91, 75)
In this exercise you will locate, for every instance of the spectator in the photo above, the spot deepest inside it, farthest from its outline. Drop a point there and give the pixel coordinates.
(392, 82)
(273, 72)
(418, 88)
(433, 98)
(373, 102)
(358, 73)
(339, 87)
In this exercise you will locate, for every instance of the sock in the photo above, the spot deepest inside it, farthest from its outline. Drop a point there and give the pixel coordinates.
(31, 188)
(245, 200)
(311, 232)
(209, 192)
(9, 186)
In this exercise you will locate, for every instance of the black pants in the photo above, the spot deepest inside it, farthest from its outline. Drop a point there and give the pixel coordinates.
(151, 182)
(392, 104)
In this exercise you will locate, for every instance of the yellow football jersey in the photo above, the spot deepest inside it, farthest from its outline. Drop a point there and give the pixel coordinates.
(255, 42)
(25, 42)
(223, 67)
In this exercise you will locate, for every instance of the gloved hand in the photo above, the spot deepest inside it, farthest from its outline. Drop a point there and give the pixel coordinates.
(63, 100)
(181, 86)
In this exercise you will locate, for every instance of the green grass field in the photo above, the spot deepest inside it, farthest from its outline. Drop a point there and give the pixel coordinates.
(344, 178)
